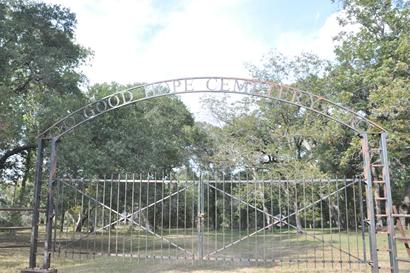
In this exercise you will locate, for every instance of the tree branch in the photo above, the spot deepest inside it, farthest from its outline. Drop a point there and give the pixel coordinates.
(14, 151)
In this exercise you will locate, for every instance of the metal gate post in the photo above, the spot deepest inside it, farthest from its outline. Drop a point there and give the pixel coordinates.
(389, 204)
(200, 223)
(36, 204)
(369, 203)
(50, 204)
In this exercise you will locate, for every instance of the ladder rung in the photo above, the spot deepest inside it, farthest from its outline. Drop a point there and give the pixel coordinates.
(381, 215)
(378, 182)
(380, 198)
(402, 238)
(377, 165)
(401, 215)
(384, 249)
(403, 260)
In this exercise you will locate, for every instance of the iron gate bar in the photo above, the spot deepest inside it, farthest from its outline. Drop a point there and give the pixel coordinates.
(280, 226)
(119, 214)
(95, 216)
(282, 219)
(330, 221)
(370, 205)
(125, 210)
(321, 221)
(132, 210)
(355, 219)
(304, 214)
(162, 218)
(248, 204)
(109, 219)
(50, 204)
(362, 222)
(169, 222)
(137, 212)
(200, 217)
(314, 220)
(36, 203)
(289, 225)
(256, 221)
(175, 181)
(146, 230)
(287, 211)
(112, 223)
(347, 224)
(338, 220)
(389, 204)
(139, 217)
(177, 212)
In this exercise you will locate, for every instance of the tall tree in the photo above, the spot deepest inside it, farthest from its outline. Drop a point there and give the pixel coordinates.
(39, 76)
(155, 135)
(372, 74)
(260, 134)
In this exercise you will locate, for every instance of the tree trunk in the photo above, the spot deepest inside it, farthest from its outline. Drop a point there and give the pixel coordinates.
(297, 217)
(79, 222)
(26, 176)
(336, 215)
(62, 221)
(404, 206)
(403, 209)
(379, 221)
(268, 219)
(14, 151)
(82, 218)
(72, 215)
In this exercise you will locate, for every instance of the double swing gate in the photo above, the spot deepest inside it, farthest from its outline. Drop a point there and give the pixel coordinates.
(317, 223)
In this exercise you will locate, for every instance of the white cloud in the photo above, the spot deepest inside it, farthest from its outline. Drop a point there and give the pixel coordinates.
(319, 42)
(134, 41)
(201, 38)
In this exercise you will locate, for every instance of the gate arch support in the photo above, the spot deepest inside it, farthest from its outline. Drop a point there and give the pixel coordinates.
(264, 89)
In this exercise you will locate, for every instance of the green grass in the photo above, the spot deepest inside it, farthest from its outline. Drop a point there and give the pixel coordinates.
(286, 247)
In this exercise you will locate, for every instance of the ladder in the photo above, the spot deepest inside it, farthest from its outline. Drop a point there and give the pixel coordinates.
(379, 178)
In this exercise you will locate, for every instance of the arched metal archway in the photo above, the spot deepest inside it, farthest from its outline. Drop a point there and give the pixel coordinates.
(373, 157)
(354, 120)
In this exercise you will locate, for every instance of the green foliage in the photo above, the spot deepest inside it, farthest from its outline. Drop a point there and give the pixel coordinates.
(373, 72)
(151, 136)
(255, 128)
(39, 78)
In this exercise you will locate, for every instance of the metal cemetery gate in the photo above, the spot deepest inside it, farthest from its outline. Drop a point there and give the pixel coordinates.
(320, 223)
(241, 218)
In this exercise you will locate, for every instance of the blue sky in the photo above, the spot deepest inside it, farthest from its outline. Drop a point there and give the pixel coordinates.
(148, 40)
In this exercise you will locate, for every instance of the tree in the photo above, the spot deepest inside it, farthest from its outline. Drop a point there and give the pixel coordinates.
(39, 77)
(372, 74)
(285, 137)
(156, 135)
(151, 138)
